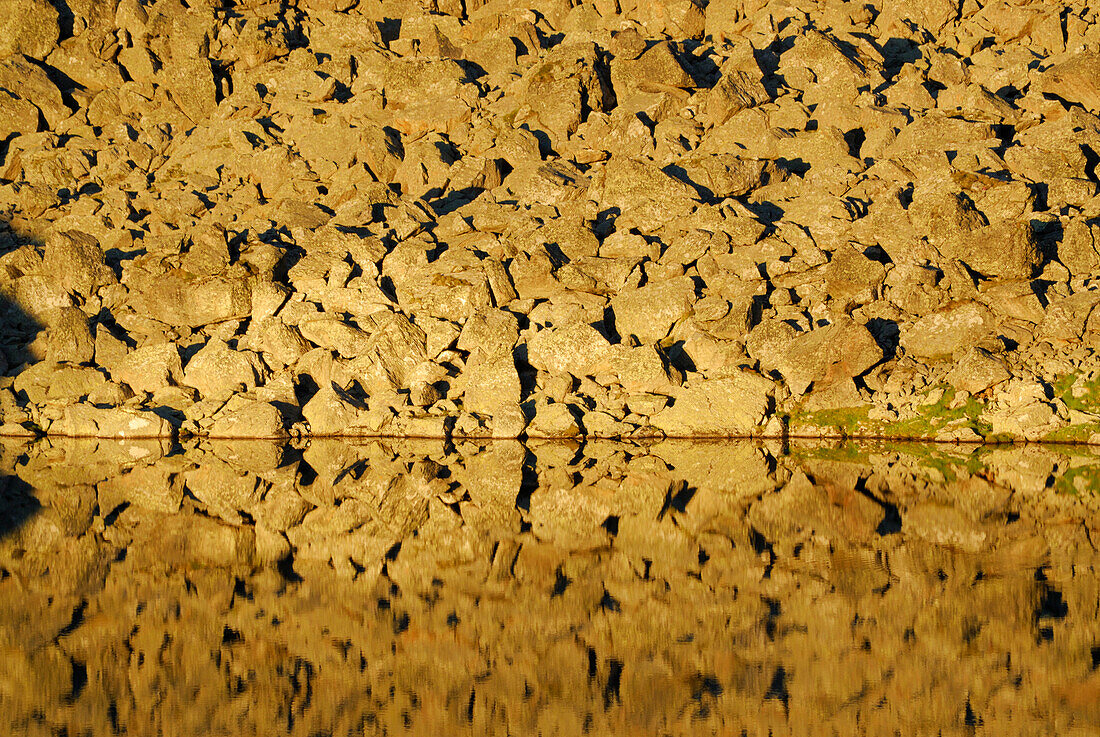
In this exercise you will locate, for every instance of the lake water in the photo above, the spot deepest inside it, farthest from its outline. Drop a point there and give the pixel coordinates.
(422, 587)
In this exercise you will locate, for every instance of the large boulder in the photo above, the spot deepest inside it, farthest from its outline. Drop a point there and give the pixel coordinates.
(949, 330)
(836, 352)
(729, 406)
(650, 312)
(578, 349)
(87, 420)
(1075, 80)
(28, 27)
(180, 298)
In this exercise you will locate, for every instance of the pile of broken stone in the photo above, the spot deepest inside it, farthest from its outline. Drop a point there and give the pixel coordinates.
(551, 218)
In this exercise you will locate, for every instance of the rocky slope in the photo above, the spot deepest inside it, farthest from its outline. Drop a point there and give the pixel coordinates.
(674, 588)
(552, 218)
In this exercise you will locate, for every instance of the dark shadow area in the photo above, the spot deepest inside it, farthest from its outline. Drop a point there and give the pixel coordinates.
(17, 504)
(896, 53)
(19, 330)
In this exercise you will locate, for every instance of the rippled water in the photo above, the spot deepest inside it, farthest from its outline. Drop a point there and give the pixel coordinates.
(557, 589)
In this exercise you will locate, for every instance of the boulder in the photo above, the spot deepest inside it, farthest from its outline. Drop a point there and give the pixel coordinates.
(217, 370)
(730, 406)
(491, 381)
(649, 313)
(78, 261)
(69, 337)
(151, 367)
(254, 420)
(86, 420)
(839, 351)
(578, 349)
(949, 330)
(332, 411)
(28, 27)
(978, 370)
(1076, 80)
(557, 420)
(21, 79)
(184, 299)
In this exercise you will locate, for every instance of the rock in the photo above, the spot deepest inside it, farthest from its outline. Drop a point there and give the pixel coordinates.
(151, 367)
(79, 262)
(24, 80)
(656, 69)
(491, 381)
(337, 335)
(49, 383)
(820, 63)
(731, 406)
(180, 298)
(218, 370)
(1075, 80)
(29, 27)
(719, 176)
(948, 331)
(977, 371)
(86, 420)
(562, 89)
(1005, 250)
(278, 343)
(646, 196)
(1067, 318)
(69, 337)
(555, 420)
(650, 312)
(740, 87)
(827, 355)
(852, 279)
(1079, 249)
(254, 420)
(577, 349)
(458, 211)
(332, 411)
(643, 369)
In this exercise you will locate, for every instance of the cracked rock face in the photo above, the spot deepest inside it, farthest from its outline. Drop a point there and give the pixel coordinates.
(571, 219)
(405, 586)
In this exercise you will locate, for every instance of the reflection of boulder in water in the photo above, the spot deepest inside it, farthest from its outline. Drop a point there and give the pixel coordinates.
(513, 586)
(17, 504)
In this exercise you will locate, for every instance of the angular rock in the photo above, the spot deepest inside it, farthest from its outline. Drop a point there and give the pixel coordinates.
(332, 411)
(491, 380)
(948, 331)
(977, 371)
(151, 367)
(650, 312)
(555, 420)
(577, 349)
(28, 27)
(731, 406)
(69, 337)
(254, 420)
(1075, 80)
(837, 352)
(217, 370)
(181, 298)
(86, 420)
(79, 262)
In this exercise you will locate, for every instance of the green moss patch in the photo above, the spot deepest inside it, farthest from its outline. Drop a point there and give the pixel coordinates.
(930, 422)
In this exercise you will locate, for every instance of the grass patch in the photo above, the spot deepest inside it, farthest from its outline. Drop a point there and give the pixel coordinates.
(930, 421)
(1088, 401)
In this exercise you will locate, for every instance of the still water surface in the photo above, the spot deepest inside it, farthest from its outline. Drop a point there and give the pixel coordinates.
(677, 588)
